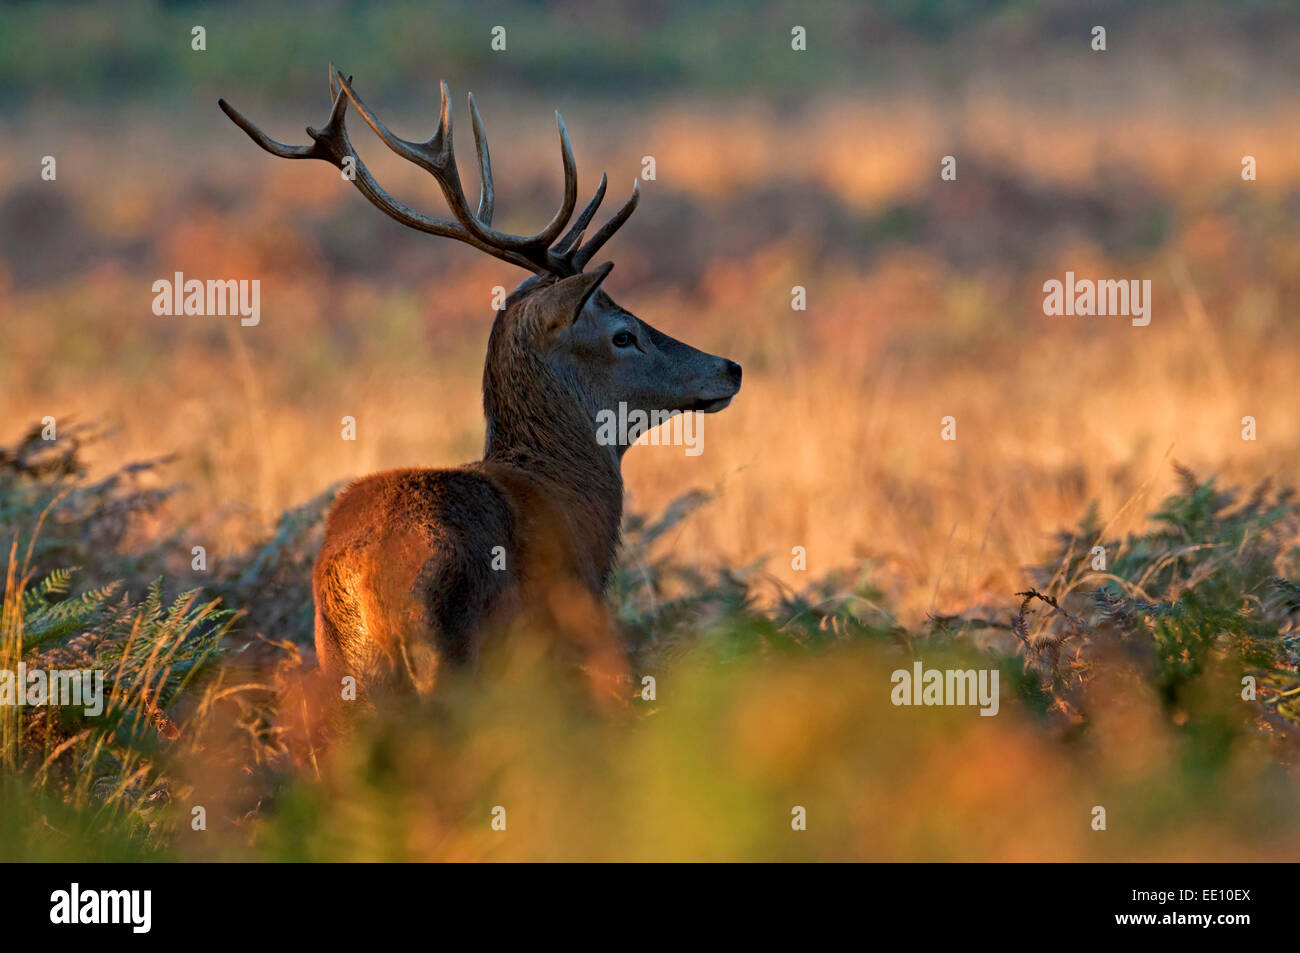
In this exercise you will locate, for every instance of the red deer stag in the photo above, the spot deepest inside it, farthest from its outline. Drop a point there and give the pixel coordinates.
(420, 566)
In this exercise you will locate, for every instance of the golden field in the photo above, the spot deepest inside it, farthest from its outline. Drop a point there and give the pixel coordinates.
(833, 445)
(924, 301)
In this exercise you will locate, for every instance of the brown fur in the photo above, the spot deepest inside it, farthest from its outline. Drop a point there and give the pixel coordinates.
(405, 583)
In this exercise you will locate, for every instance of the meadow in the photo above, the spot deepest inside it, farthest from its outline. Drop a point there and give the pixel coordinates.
(1122, 684)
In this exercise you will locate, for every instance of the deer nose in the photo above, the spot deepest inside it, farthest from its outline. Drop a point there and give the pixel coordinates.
(733, 372)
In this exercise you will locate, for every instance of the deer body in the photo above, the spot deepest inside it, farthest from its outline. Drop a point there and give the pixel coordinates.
(421, 568)
(404, 579)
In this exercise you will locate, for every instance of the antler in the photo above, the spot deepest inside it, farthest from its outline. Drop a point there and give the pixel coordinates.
(538, 253)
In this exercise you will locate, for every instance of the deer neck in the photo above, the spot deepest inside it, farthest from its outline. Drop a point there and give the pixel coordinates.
(540, 425)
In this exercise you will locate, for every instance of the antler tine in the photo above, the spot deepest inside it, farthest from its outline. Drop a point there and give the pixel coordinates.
(585, 253)
(331, 144)
(486, 195)
(430, 155)
(569, 243)
(551, 231)
(273, 146)
(437, 156)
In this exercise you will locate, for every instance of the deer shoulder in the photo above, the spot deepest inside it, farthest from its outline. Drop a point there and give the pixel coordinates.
(421, 568)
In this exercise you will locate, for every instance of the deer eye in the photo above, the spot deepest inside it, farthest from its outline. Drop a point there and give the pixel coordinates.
(624, 339)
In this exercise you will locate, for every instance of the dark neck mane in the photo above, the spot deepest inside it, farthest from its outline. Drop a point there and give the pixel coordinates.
(538, 423)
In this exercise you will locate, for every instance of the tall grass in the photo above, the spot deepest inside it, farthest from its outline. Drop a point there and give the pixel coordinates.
(1125, 691)
(1125, 686)
(154, 653)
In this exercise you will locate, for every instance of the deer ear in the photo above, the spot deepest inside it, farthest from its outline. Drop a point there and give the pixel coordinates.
(568, 296)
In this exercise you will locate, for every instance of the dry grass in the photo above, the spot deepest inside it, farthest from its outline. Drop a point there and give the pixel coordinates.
(834, 443)
(924, 301)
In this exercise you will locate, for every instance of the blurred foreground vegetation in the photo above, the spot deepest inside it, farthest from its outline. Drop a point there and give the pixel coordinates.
(1121, 688)
(1122, 684)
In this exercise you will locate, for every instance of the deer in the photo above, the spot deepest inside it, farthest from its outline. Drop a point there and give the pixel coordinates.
(420, 568)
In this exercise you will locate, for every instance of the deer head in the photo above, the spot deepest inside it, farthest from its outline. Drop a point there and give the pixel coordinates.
(561, 350)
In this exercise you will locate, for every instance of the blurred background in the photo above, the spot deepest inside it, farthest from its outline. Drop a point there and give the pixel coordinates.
(774, 168)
